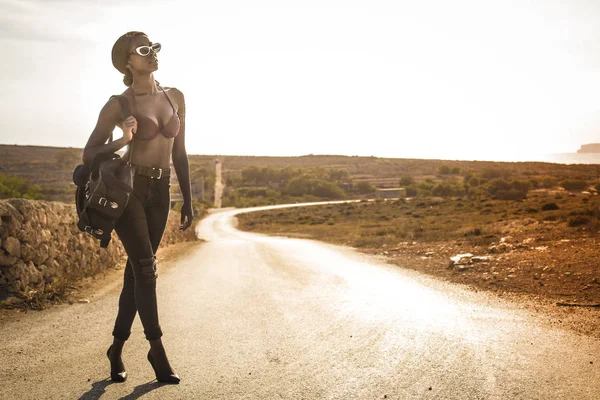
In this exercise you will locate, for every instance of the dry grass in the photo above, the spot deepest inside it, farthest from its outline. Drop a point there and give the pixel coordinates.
(378, 223)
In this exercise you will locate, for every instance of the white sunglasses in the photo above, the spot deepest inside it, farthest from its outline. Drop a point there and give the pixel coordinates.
(146, 50)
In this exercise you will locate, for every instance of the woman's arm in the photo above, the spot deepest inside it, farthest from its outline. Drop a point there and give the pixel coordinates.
(110, 116)
(181, 163)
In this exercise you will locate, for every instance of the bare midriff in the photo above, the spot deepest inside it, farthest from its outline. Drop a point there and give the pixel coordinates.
(152, 153)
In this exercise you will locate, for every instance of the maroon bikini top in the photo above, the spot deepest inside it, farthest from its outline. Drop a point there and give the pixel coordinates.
(148, 130)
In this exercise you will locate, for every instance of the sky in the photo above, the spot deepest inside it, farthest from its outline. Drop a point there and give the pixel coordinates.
(463, 79)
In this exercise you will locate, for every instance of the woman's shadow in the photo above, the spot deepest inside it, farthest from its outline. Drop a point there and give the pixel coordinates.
(99, 388)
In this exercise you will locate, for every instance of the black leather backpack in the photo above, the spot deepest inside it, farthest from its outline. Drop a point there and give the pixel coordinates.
(103, 190)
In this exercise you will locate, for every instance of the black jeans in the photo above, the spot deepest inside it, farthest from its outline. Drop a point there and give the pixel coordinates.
(140, 229)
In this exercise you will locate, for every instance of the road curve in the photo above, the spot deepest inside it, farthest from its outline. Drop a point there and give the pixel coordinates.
(247, 316)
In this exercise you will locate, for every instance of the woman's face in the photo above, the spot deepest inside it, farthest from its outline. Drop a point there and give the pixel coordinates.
(138, 63)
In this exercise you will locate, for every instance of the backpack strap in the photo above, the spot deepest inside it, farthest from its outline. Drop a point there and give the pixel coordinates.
(125, 112)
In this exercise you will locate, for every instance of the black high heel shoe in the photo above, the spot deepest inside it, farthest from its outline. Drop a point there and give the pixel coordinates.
(172, 378)
(115, 375)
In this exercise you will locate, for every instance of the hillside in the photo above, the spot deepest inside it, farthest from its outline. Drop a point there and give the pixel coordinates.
(52, 167)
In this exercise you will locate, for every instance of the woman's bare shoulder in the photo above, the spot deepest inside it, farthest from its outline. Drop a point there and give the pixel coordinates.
(112, 106)
(176, 95)
(173, 91)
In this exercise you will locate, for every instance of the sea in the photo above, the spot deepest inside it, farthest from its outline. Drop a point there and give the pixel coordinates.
(568, 158)
(557, 158)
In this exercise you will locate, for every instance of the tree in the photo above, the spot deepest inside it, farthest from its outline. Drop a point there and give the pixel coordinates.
(250, 175)
(306, 185)
(406, 180)
(364, 187)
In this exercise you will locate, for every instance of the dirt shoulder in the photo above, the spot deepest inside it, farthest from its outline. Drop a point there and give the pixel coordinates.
(544, 264)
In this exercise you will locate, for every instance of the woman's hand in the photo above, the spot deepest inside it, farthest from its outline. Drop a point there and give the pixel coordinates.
(129, 127)
(187, 215)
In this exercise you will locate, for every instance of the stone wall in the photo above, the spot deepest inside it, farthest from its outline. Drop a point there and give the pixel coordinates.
(40, 241)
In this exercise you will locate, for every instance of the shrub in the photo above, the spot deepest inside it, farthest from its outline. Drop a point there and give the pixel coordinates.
(474, 232)
(550, 207)
(411, 191)
(364, 187)
(305, 185)
(406, 180)
(578, 220)
(424, 188)
(473, 181)
(497, 184)
(505, 190)
(328, 190)
(548, 182)
(534, 182)
(574, 184)
(446, 189)
(494, 173)
(521, 185)
(257, 192)
(12, 186)
(444, 170)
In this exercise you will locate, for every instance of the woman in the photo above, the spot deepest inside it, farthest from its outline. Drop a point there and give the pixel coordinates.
(155, 132)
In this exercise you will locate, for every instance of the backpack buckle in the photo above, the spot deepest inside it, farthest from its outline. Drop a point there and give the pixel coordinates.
(93, 231)
(102, 201)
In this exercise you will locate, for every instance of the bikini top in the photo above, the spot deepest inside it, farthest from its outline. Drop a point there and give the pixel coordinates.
(148, 130)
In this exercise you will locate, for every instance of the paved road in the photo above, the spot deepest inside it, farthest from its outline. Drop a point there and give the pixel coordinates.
(247, 316)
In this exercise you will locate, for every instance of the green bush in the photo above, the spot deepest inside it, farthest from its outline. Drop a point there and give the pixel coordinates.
(498, 184)
(502, 189)
(12, 186)
(446, 189)
(411, 191)
(364, 187)
(306, 185)
(406, 180)
(257, 192)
